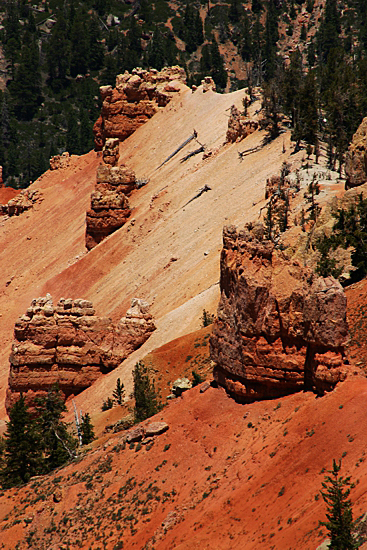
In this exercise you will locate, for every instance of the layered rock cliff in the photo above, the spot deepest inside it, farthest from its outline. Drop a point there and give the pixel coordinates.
(109, 209)
(280, 328)
(136, 98)
(70, 345)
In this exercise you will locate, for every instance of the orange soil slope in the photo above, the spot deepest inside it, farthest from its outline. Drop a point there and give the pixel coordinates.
(223, 476)
(43, 250)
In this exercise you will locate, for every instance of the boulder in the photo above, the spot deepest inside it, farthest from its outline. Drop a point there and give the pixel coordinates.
(70, 345)
(58, 162)
(356, 157)
(180, 386)
(208, 84)
(156, 428)
(136, 434)
(280, 328)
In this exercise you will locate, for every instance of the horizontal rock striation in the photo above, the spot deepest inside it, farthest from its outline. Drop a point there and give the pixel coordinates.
(70, 345)
(136, 98)
(109, 209)
(280, 328)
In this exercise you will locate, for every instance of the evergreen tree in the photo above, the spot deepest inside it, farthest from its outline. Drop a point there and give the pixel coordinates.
(339, 514)
(22, 446)
(146, 400)
(271, 37)
(72, 133)
(58, 51)
(119, 392)
(25, 89)
(218, 71)
(59, 446)
(79, 58)
(96, 52)
(86, 429)
(156, 55)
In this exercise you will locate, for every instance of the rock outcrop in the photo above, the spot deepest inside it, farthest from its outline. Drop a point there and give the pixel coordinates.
(109, 203)
(356, 157)
(59, 162)
(23, 201)
(136, 98)
(239, 126)
(70, 345)
(280, 328)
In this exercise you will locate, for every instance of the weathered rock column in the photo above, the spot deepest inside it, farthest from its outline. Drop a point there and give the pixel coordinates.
(109, 204)
(280, 328)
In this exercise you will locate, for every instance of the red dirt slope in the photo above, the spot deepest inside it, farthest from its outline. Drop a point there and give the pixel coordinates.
(223, 476)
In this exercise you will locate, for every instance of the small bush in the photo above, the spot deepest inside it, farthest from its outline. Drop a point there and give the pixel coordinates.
(207, 318)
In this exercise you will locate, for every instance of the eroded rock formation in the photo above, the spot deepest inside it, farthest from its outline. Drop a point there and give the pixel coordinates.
(60, 161)
(136, 98)
(356, 157)
(239, 126)
(23, 201)
(70, 345)
(109, 203)
(280, 328)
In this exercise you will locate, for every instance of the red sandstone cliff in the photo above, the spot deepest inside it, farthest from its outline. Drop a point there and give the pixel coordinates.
(280, 327)
(70, 345)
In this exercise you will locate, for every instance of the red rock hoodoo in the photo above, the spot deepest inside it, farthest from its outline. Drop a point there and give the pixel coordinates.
(280, 328)
(136, 98)
(109, 204)
(70, 345)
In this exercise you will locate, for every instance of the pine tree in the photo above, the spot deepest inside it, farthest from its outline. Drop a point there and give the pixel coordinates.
(218, 71)
(58, 444)
(146, 399)
(23, 446)
(118, 392)
(87, 431)
(339, 514)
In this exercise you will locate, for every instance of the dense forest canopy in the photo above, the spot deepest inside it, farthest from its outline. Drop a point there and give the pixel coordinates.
(309, 56)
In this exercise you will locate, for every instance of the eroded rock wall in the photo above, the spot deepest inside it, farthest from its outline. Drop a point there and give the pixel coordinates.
(70, 345)
(280, 328)
(136, 98)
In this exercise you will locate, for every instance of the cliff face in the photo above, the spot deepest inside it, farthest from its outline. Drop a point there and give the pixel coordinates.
(280, 328)
(70, 345)
(136, 98)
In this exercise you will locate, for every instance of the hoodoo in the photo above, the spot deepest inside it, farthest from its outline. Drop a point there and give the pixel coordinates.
(70, 345)
(280, 327)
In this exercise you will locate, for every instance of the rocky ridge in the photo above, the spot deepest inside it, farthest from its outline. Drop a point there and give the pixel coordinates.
(280, 328)
(109, 203)
(70, 345)
(135, 99)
